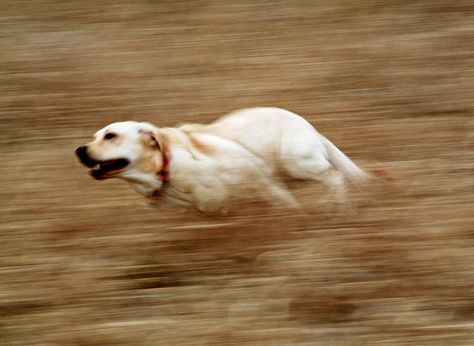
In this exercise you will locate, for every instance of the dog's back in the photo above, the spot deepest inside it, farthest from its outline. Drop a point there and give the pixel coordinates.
(290, 145)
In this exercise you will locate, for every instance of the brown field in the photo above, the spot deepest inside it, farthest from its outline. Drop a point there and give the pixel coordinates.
(86, 263)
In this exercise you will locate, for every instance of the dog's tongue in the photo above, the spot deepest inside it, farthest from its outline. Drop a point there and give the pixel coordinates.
(96, 167)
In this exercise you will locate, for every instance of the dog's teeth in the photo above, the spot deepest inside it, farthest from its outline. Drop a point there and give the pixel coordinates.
(96, 167)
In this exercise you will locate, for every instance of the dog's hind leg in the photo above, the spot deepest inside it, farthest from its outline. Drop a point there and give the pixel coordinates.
(317, 168)
(335, 182)
(328, 176)
(305, 157)
(275, 192)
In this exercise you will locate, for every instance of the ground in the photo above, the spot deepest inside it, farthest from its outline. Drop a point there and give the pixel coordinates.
(87, 263)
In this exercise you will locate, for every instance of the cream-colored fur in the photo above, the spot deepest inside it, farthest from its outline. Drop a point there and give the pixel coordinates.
(211, 165)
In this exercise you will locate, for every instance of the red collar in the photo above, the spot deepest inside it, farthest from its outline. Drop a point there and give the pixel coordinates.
(164, 173)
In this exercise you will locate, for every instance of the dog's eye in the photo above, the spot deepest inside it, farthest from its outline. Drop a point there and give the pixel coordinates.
(109, 135)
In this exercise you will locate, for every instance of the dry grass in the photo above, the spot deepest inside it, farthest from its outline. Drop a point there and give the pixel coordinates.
(85, 263)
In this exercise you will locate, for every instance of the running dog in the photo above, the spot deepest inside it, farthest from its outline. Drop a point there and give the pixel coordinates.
(208, 166)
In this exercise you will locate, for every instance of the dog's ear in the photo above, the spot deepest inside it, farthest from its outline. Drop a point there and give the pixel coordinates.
(151, 138)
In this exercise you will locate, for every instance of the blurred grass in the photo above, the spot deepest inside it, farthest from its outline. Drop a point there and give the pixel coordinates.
(85, 263)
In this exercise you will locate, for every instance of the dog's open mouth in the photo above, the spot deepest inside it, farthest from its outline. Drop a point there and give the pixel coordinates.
(100, 169)
(104, 169)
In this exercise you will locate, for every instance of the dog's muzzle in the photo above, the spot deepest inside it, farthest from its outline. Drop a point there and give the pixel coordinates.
(100, 169)
(81, 153)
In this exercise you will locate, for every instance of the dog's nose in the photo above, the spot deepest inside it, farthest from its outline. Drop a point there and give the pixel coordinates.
(81, 151)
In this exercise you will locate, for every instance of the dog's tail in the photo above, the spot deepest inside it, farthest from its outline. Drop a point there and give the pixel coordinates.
(344, 164)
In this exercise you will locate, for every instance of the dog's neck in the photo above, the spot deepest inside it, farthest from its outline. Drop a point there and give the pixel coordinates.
(149, 184)
(164, 172)
(144, 183)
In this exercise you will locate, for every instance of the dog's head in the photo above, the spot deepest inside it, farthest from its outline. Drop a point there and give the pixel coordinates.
(125, 150)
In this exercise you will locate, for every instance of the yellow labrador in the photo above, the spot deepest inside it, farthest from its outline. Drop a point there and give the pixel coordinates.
(206, 166)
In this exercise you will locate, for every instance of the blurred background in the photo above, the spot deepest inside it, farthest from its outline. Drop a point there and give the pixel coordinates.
(86, 263)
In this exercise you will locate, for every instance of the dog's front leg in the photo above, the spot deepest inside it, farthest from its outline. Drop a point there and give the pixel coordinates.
(212, 199)
(150, 202)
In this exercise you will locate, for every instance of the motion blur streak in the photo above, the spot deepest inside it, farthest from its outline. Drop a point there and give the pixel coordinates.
(389, 82)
